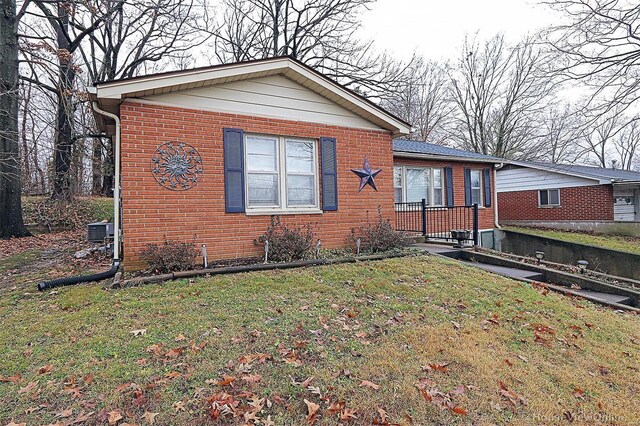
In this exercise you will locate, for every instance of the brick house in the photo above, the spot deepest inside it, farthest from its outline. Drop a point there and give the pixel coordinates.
(551, 194)
(210, 155)
(446, 177)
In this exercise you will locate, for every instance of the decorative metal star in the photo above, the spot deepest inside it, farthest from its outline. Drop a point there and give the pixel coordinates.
(366, 175)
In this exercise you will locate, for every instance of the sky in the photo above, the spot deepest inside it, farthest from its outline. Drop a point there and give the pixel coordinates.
(436, 29)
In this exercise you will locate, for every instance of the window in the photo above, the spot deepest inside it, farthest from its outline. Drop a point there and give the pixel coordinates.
(437, 187)
(397, 184)
(413, 184)
(476, 187)
(282, 173)
(548, 197)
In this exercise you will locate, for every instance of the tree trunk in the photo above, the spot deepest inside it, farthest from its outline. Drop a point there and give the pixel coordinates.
(64, 130)
(108, 170)
(26, 170)
(96, 167)
(11, 222)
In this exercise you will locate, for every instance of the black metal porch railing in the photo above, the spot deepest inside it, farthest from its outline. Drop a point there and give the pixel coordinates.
(438, 223)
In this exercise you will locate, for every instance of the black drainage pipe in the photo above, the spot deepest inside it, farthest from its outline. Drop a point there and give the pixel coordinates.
(80, 278)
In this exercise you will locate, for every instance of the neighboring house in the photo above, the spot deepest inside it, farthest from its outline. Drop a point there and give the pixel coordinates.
(545, 193)
(446, 177)
(209, 155)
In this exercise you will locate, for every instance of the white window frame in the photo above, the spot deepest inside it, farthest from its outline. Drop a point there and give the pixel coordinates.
(548, 198)
(281, 152)
(430, 197)
(480, 182)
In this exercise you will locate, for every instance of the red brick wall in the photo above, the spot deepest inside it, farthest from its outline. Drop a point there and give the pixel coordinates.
(576, 203)
(485, 215)
(151, 212)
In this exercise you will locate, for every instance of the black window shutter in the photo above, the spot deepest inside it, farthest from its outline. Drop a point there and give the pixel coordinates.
(448, 181)
(487, 187)
(467, 187)
(233, 170)
(329, 174)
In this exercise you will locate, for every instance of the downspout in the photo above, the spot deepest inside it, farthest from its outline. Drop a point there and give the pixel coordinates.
(116, 187)
(495, 194)
(116, 225)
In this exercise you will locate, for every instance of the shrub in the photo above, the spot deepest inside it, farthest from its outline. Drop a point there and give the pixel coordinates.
(380, 236)
(286, 243)
(170, 256)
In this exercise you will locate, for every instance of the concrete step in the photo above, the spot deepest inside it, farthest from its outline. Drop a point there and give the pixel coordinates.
(509, 272)
(606, 297)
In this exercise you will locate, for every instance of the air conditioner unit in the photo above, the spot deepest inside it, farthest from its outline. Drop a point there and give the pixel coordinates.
(99, 231)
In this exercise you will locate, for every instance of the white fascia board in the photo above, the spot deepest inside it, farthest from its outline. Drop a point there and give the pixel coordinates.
(418, 156)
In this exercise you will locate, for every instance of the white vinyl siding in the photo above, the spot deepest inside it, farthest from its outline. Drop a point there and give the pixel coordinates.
(413, 184)
(549, 198)
(529, 179)
(273, 96)
(282, 174)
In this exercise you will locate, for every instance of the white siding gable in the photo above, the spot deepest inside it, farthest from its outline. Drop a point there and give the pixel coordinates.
(526, 179)
(273, 96)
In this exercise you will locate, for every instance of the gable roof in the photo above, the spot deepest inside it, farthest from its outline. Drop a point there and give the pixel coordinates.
(109, 94)
(601, 174)
(418, 149)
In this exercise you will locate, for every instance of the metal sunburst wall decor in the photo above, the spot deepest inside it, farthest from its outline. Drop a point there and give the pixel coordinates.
(176, 166)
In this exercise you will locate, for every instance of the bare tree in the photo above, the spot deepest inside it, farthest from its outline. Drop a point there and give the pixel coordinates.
(138, 37)
(320, 33)
(54, 31)
(627, 145)
(500, 92)
(423, 100)
(11, 221)
(598, 135)
(600, 44)
(561, 132)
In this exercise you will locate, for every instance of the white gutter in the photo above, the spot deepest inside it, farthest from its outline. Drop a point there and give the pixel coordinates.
(404, 154)
(116, 178)
(495, 194)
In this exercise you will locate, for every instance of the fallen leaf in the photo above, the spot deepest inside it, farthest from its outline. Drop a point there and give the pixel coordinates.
(312, 411)
(173, 375)
(30, 388)
(180, 338)
(13, 379)
(64, 413)
(149, 417)
(45, 369)
(459, 410)
(348, 414)
(368, 384)
(114, 417)
(226, 380)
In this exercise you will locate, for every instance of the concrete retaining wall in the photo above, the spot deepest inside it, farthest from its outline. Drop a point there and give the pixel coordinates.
(612, 262)
(631, 229)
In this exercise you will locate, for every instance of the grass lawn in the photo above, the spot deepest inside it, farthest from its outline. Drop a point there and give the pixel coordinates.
(612, 242)
(417, 340)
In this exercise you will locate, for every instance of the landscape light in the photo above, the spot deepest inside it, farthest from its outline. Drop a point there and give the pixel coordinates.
(539, 256)
(582, 264)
